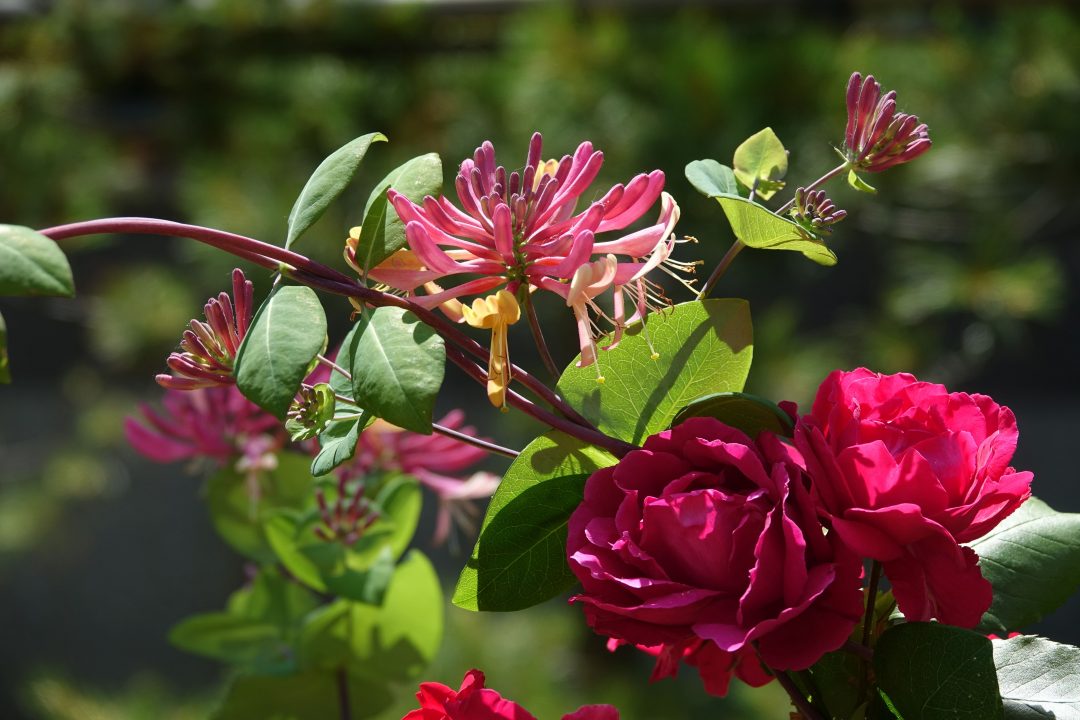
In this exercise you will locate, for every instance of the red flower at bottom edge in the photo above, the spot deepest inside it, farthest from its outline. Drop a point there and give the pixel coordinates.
(472, 701)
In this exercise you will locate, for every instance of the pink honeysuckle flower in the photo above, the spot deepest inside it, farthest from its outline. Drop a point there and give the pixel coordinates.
(877, 136)
(215, 423)
(436, 461)
(521, 230)
(208, 349)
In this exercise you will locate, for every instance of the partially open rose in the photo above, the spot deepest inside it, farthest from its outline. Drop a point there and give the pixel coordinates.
(906, 472)
(706, 536)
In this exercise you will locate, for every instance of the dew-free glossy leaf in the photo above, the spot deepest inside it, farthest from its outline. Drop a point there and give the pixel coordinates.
(312, 695)
(859, 184)
(391, 642)
(1032, 559)
(32, 264)
(338, 441)
(238, 516)
(1039, 679)
(710, 178)
(748, 413)
(931, 671)
(327, 182)
(755, 226)
(520, 556)
(382, 232)
(5, 370)
(704, 347)
(761, 161)
(397, 367)
(232, 639)
(286, 334)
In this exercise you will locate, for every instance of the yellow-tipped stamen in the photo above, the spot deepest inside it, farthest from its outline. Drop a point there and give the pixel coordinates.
(496, 313)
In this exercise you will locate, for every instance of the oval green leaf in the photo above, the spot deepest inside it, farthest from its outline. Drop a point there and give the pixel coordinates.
(1039, 679)
(704, 347)
(761, 162)
(382, 232)
(233, 639)
(710, 178)
(1032, 560)
(397, 367)
(748, 413)
(520, 556)
(327, 182)
(930, 671)
(757, 227)
(286, 334)
(32, 264)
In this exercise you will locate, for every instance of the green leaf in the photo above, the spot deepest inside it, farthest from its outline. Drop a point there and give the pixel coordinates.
(286, 334)
(704, 347)
(391, 642)
(382, 232)
(337, 443)
(710, 178)
(397, 367)
(327, 182)
(1032, 559)
(5, 370)
(311, 695)
(757, 227)
(272, 598)
(930, 671)
(235, 640)
(238, 516)
(859, 184)
(520, 556)
(748, 413)
(836, 681)
(761, 162)
(1039, 679)
(32, 264)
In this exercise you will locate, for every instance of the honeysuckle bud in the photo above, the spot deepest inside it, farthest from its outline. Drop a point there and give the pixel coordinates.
(208, 349)
(348, 517)
(310, 412)
(815, 212)
(878, 137)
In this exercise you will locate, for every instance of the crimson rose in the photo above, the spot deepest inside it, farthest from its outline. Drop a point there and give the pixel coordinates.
(907, 471)
(706, 536)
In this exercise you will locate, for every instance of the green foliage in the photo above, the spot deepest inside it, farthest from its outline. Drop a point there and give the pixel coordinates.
(337, 442)
(703, 347)
(317, 412)
(859, 184)
(1039, 679)
(239, 508)
(761, 162)
(1032, 559)
(286, 334)
(311, 695)
(397, 367)
(757, 227)
(835, 682)
(359, 571)
(392, 642)
(383, 232)
(748, 413)
(327, 182)
(520, 556)
(32, 264)
(5, 370)
(929, 671)
(711, 179)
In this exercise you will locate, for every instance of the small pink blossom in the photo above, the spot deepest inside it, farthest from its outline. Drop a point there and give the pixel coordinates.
(208, 349)
(522, 231)
(878, 137)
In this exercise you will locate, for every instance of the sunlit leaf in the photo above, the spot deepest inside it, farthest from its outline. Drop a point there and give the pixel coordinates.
(710, 178)
(761, 163)
(382, 232)
(755, 226)
(327, 182)
(520, 556)
(1039, 679)
(748, 413)
(32, 264)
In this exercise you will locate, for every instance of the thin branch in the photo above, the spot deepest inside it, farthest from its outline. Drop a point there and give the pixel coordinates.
(343, 694)
(868, 627)
(538, 338)
(797, 699)
(817, 183)
(334, 366)
(469, 439)
(725, 262)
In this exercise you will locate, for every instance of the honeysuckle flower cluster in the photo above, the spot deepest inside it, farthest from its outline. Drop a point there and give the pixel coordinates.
(878, 137)
(348, 516)
(815, 212)
(521, 231)
(208, 349)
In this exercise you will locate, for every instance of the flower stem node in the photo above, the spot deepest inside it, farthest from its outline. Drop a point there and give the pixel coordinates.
(496, 313)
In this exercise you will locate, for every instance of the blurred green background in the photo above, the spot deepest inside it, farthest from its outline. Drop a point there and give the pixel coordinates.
(963, 269)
